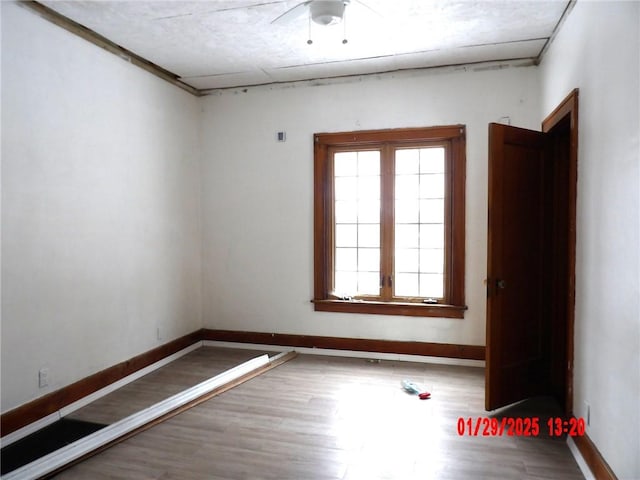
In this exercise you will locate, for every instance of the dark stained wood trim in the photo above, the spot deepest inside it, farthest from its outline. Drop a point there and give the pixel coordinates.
(103, 42)
(411, 135)
(457, 203)
(569, 107)
(594, 459)
(41, 407)
(451, 136)
(46, 405)
(390, 308)
(468, 352)
(321, 222)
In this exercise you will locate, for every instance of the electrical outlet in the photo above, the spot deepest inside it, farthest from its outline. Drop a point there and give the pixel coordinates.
(43, 377)
(587, 413)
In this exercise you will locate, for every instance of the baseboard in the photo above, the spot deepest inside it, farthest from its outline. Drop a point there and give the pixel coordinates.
(468, 352)
(592, 457)
(66, 399)
(51, 404)
(139, 421)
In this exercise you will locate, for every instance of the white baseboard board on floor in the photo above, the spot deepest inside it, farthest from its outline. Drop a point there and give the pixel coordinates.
(80, 448)
(29, 429)
(584, 468)
(72, 407)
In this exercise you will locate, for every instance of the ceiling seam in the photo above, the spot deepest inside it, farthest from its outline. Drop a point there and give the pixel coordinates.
(527, 61)
(209, 12)
(406, 54)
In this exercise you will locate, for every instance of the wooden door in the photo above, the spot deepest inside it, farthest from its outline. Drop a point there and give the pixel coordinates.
(517, 353)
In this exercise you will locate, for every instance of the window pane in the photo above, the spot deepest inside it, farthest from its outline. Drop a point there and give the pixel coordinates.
(369, 163)
(432, 160)
(346, 211)
(407, 236)
(432, 236)
(346, 235)
(407, 211)
(368, 211)
(346, 259)
(368, 188)
(369, 260)
(432, 260)
(431, 285)
(407, 186)
(432, 185)
(349, 164)
(368, 283)
(407, 285)
(346, 188)
(419, 222)
(432, 211)
(407, 260)
(369, 235)
(345, 164)
(346, 283)
(357, 223)
(407, 161)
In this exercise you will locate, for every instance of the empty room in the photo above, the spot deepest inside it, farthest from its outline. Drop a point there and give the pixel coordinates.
(321, 239)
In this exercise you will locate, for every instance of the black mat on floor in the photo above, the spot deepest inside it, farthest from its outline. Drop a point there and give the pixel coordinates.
(43, 442)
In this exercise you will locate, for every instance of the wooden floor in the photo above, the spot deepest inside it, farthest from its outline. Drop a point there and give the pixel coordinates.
(327, 418)
(175, 377)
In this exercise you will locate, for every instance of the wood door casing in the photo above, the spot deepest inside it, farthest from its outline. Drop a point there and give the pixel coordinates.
(561, 126)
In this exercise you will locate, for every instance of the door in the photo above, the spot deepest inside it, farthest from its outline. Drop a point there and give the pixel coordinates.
(517, 353)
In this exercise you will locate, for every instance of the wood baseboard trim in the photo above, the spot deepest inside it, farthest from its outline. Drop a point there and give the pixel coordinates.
(467, 352)
(55, 401)
(593, 458)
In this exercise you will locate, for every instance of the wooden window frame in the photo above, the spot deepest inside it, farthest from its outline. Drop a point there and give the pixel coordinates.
(454, 138)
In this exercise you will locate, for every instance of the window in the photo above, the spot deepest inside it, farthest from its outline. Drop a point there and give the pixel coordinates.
(389, 221)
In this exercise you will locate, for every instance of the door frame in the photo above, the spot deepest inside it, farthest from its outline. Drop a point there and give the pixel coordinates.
(568, 110)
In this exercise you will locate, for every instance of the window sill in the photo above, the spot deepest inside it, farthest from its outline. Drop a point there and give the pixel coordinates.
(390, 308)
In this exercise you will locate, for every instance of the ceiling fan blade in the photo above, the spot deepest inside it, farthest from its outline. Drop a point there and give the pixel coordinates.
(293, 13)
(370, 9)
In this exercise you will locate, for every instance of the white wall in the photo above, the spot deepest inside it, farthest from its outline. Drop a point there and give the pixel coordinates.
(100, 208)
(258, 194)
(598, 51)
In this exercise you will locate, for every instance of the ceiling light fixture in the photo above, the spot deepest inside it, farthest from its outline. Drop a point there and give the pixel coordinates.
(322, 12)
(327, 12)
(328, 16)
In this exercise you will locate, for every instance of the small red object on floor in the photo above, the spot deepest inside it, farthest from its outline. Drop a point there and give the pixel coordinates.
(424, 396)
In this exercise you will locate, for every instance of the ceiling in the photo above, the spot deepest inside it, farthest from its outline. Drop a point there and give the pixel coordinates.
(212, 44)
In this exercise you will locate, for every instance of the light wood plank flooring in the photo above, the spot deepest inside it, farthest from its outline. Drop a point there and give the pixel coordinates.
(332, 418)
(185, 372)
